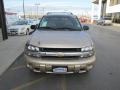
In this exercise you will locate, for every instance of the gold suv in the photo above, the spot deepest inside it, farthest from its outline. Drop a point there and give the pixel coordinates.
(60, 45)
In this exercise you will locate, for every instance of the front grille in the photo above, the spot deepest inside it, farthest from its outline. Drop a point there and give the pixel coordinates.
(60, 49)
(60, 58)
(14, 31)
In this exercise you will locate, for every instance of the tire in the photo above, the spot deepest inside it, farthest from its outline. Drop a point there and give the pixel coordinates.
(27, 32)
(102, 24)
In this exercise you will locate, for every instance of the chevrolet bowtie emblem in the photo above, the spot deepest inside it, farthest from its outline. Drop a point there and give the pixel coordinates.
(60, 54)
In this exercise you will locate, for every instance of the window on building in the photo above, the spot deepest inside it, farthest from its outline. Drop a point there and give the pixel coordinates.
(118, 1)
(116, 18)
(111, 2)
(114, 2)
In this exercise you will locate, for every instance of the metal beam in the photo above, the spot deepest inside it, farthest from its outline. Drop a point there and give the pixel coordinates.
(24, 9)
(3, 20)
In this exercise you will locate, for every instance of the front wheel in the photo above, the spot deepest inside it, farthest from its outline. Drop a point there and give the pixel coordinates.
(27, 32)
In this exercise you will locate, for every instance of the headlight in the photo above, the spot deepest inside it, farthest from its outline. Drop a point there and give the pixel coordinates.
(32, 48)
(86, 49)
(22, 29)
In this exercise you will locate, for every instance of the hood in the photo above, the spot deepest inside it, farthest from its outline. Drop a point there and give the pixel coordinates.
(17, 26)
(60, 39)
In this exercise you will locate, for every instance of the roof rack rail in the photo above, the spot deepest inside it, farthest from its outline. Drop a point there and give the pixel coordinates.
(59, 13)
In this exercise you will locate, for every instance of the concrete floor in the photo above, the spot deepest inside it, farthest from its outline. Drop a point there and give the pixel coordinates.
(0, 35)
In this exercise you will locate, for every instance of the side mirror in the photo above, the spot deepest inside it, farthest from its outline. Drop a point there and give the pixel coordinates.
(85, 27)
(33, 27)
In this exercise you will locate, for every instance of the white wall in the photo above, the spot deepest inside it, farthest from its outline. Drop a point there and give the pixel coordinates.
(100, 8)
(96, 11)
(112, 9)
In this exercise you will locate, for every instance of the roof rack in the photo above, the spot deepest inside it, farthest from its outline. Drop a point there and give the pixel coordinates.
(59, 13)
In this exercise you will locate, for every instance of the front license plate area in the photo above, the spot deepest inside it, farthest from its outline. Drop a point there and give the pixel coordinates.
(59, 69)
(13, 33)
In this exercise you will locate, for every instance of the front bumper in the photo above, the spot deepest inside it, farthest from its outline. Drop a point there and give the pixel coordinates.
(105, 23)
(73, 66)
(16, 33)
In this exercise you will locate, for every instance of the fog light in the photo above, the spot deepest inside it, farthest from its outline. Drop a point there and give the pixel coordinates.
(81, 56)
(29, 66)
(82, 66)
(29, 54)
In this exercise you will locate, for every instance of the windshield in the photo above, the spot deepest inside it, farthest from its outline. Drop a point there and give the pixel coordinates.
(60, 22)
(20, 23)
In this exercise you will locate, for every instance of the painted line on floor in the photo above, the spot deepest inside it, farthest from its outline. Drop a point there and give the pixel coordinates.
(63, 83)
(29, 83)
(18, 67)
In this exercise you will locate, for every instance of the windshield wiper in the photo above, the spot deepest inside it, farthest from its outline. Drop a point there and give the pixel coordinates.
(67, 28)
(47, 28)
